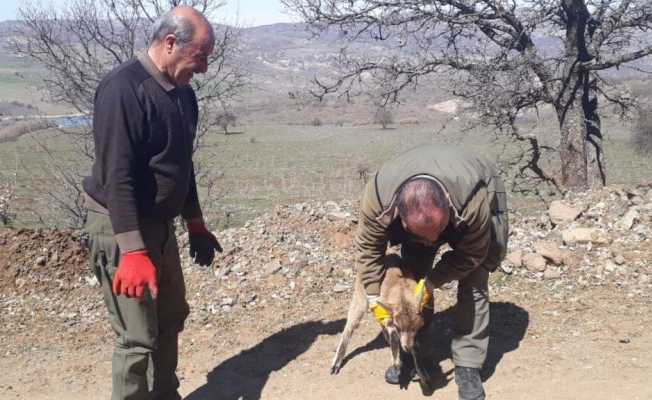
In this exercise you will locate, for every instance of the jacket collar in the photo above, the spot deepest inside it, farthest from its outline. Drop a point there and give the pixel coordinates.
(153, 70)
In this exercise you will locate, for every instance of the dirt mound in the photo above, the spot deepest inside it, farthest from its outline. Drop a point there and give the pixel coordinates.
(41, 259)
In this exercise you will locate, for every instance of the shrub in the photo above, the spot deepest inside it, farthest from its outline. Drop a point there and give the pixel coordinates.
(383, 117)
(224, 120)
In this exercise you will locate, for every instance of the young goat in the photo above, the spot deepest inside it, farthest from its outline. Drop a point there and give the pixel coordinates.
(397, 296)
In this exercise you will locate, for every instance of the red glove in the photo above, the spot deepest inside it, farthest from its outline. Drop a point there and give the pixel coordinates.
(135, 271)
(203, 243)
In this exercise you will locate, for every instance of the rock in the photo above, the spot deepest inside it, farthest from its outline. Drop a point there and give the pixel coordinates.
(572, 259)
(637, 200)
(550, 252)
(534, 262)
(561, 213)
(340, 287)
(446, 107)
(584, 235)
(551, 273)
(335, 215)
(610, 266)
(506, 268)
(515, 258)
(272, 268)
(249, 299)
(91, 281)
(628, 220)
(619, 259)
(648, 195)
(229, 301)
(41, 260)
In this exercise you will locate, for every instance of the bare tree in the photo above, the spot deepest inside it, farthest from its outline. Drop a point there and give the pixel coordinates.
(224, 120)
(59, 188)
(494, 45)
(82, 40)
(383, 117)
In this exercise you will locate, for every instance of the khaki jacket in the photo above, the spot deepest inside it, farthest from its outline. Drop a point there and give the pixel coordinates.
(477, 232)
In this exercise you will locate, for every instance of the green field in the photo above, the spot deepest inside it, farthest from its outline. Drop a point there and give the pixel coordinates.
(264, 165)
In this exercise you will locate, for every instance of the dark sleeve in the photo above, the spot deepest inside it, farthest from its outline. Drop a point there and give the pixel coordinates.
(192, 209)
(371, 241)
(118, 125)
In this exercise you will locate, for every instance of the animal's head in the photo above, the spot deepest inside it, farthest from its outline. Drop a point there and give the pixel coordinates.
(397, 295)
(405, 321)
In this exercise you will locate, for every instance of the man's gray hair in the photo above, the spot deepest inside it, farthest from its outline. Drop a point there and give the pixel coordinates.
(176, 25)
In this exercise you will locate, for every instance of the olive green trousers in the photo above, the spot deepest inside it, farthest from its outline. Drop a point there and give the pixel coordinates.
(146, 347)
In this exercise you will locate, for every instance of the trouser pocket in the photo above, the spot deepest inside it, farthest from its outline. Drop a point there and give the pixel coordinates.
(499, 232)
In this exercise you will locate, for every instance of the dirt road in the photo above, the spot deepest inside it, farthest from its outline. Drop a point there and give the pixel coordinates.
(597, 346)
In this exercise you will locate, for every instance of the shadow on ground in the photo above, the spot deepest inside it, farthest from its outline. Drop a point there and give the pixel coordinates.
(245, 374)
(507, 328)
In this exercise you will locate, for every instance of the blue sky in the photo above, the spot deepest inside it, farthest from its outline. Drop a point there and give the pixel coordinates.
(247, 12)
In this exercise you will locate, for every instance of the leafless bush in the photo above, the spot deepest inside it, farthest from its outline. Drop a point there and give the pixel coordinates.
(363, 172)
(61, 199)
(383, 117)
(224, 120)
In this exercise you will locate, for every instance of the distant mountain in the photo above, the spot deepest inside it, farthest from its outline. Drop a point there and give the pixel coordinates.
(284, 58)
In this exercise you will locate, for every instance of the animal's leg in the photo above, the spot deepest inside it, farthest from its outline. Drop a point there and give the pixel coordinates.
(357, 310)
(395, 346)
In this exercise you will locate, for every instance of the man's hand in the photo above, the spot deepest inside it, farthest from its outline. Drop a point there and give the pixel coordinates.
(202, 242)
(380, 312)
(423, 292)
(135, 271)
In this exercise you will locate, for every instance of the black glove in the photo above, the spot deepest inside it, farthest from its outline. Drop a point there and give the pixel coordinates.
(202, 244)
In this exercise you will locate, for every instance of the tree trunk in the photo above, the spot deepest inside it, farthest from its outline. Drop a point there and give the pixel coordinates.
(582, 163)
(572, 146)
(596, 174)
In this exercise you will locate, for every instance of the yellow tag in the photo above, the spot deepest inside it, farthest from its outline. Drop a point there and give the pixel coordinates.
(381, 314)
(427, 295)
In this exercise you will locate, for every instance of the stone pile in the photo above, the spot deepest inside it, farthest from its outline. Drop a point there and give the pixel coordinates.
(593, 238)
(290, 262)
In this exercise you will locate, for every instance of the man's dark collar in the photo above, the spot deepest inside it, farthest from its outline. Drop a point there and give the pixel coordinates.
(151, 69)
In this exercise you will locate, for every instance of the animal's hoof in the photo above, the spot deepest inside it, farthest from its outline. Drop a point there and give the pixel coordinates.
(335, 370)
(393, 375)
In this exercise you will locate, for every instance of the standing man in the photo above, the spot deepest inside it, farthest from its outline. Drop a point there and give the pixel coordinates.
(426, 197)
(144, 124)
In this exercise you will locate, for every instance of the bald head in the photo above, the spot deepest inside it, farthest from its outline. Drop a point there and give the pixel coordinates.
(181, 42)
(184, 23)
(423, 208)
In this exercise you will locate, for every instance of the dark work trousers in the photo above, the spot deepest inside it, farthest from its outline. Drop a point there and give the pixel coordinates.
(146, 330)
